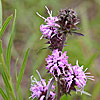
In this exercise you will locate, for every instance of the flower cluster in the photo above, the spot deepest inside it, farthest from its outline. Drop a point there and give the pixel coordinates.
(50, 31)
(39, 89)
(50, 28)
(67, 19)
(57, 27)
(67, 76)
(70, 76)
(56, 63)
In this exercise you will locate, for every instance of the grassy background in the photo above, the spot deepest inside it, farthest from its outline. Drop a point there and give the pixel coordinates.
(27, 34)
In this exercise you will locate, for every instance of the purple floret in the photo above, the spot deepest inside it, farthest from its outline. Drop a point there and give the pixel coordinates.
(50, 28)
(80, 77)
(56, 63)
(75, 76)
(39, 89)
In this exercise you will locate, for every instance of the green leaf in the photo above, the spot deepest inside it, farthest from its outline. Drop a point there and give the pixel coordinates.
(0, 14)
(5, 25)
(0, 48)
(22, 69)
(3, 94)
(19, 90)
(3, 74)
(8, 54)
(4, 66)
(16, 68)
(20, 93)
(5, 79)
(6, 76)
(50, 86)
(8, 93)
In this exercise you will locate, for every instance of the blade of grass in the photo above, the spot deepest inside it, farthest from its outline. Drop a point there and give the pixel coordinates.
(0, 48)
(6, 76)
(8, 93)
(5, 79)
(2, 61)
(8, 53)
(4, 66)
(22, 69)
(20, 93)
(0, 14)
(3, 75)
(3, 94)
(16, 68)
(19, 90)
(16, 72)
(5, 25)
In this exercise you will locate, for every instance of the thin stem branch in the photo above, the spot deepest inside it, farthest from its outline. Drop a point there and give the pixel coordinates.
(0, 14)
(8, 77)
(50, 86)
(4, 66)
(63, 40)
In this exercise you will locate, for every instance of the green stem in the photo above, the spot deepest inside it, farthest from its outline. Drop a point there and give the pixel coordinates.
(4, 66)
(13, 96)
(58, 90)
(63, 41)
(0, 14)
(9, 78)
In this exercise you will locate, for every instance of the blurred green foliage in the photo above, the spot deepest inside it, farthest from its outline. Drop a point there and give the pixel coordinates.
(27, 35)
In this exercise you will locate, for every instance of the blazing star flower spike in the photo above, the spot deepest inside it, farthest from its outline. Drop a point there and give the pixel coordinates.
(49, 30)
(39, 89)
(68, 77)
(57, 62)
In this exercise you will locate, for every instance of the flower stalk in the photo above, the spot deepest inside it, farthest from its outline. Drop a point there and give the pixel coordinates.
(63, 41)
(58, 90)
(67, 76)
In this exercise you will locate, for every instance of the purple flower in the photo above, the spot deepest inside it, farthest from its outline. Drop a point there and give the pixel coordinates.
(56, 42)
(51, 21)
(66, 83)
(67, 19)
(80, 77)
(70, 77)
(56, 63)
(75, 76)
(39, 89)
(50, 29)
(67, 80)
